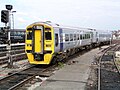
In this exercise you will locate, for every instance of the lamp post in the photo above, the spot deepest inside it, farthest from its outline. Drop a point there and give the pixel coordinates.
(13, 19)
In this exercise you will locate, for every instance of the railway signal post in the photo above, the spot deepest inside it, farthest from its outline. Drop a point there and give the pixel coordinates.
(10, 61)
(5, 18)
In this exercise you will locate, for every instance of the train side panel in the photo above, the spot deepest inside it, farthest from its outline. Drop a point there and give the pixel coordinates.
(57, 39)
(46, 42)
(86, 38)
(104, 36)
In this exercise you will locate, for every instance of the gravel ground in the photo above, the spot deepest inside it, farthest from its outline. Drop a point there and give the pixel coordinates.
(92, 80)
(91, 85)
(110, 79)
(17, 66)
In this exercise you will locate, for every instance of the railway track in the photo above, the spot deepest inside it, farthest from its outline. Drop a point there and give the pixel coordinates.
(108, 74)
(18, 79)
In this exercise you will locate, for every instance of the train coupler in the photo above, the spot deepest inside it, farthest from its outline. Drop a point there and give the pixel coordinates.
(39, 57)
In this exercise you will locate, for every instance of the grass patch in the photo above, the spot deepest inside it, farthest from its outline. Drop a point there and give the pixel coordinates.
(60, 64)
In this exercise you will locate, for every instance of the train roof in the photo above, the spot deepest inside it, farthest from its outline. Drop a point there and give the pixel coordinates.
(55, 25)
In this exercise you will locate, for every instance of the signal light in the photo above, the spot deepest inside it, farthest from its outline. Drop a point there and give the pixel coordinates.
(9, 7)
(4, 29)
(4, 16)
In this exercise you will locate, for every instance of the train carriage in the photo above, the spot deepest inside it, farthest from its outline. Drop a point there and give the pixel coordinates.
(104, 36)
(46, 41)
(16, 35)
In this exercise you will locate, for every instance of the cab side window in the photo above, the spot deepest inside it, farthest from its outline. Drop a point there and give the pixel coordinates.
(71, 37)
(56, 39)
(29, 35)
(66, 37)
(48, 36)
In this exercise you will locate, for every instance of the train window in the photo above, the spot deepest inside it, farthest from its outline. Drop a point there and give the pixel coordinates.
(29, 29)
(74, 36)
(48, 36)
(12, 33)
(66, 37)
(29, 35)
(96, 34)
(91, 34)
(22, 33)
(56, 39)
(77, 36)
(18, 33)
(71, 37)
(47, 29)
(80, 36)
(15, 33)
(83, 36)
(88, 35)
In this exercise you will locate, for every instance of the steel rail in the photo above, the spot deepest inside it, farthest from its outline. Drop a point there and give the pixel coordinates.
(114, 60)
(27, 78)
(99, 65)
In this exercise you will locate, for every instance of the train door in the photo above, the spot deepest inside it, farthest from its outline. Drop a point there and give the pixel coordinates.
(80, 38)
(93, 36)
(38, 39)
(57, 39)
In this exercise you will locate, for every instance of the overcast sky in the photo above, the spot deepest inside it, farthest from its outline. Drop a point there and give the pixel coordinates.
(98, 14)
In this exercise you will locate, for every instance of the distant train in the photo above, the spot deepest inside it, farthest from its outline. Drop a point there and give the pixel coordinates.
(47, 43)
(17, 36)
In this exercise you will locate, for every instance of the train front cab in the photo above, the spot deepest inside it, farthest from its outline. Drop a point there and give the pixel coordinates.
(39, 44)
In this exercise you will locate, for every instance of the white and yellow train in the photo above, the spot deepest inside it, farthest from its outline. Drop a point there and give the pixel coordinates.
(47, 42)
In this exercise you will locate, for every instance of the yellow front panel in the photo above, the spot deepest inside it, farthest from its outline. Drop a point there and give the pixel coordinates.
(47, 59)
(41, 44)
(28, 45)
(38, 41)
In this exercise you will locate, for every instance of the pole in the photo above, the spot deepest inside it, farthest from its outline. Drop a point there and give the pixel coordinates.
(10, 61)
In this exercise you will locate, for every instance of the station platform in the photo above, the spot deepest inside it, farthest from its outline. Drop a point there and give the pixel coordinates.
(73, 76)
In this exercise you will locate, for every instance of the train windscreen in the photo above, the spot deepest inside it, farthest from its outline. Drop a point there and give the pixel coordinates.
(48, 35)
(29, 35)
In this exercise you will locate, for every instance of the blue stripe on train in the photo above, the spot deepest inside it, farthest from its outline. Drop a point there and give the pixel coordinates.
(61, 39)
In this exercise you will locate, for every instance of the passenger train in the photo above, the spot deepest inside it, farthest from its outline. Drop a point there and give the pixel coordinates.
(16, 36)
(47, 42)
